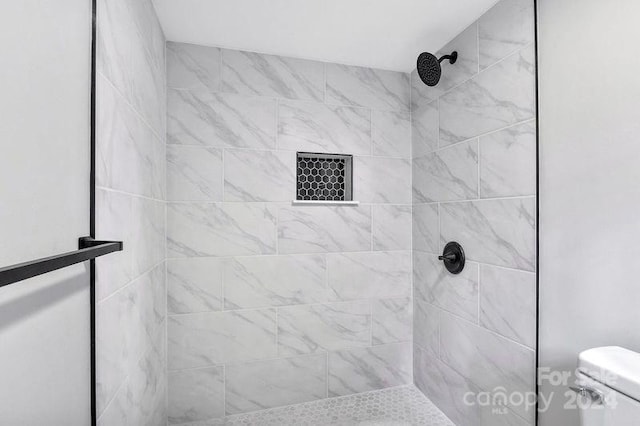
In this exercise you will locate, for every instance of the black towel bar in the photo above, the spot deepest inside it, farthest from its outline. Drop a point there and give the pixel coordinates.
(88, 249)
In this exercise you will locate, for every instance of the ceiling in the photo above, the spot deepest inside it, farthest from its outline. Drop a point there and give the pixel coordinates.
(386, 34)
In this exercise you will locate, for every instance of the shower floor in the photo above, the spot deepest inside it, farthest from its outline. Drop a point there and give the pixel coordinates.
(403, 405)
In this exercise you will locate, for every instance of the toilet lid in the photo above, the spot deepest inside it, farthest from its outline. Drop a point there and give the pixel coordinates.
(616, 367)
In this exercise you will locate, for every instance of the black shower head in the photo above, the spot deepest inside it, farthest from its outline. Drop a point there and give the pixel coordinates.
(429, 68)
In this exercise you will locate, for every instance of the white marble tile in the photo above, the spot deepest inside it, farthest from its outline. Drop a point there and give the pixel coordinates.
(114, 46)
(447, 174)
(141, 399)
(391, 133)
(317, 328)
(367, 87)
(455, 293)
(426, 326)
(114, 358)
(129, 156)
(424, 130)
(148, 87)
(205, 229)
(508, 162)
(147, 243)
(505, 28)
(446, 388)
(499, 232)
(487, 359)
(391, 227)
(194, 285)
(127, 323)
(198, 117)
(154, 304)
(117, 411)
(318, 229)
(316, 127)
(466, 44)
(190, 66)
(114, 222)
(130, 54)
(382, 180)
(364, 369)
(251, 73)
(147, 385)
(196, 394)
(497, 97)
(213, 338)
(258, 281)
(508, 303)
(368, 275)
(426, 228)
(194, 173)
(259, 175)
(421, 94)
(391, 320)
(266, 384)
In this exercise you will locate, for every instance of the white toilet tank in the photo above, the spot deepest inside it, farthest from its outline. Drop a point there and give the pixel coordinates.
(609, 387)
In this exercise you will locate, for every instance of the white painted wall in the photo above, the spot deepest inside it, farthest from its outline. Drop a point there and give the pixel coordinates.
(589, 182)
(44, 208)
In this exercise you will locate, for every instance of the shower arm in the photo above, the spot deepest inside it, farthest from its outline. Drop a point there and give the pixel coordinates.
(452, 57)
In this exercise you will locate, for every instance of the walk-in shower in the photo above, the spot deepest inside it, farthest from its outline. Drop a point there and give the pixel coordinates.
(297, 234)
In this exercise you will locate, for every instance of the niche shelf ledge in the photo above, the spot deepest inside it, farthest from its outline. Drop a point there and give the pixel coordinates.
(323, 203)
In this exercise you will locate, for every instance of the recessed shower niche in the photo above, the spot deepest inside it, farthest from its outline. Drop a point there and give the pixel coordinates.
(324, 177)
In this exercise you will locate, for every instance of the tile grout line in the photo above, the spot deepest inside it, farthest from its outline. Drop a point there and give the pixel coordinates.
(299, 305)
(479, 168)
(517, 51)
(224, 177)
(483, 328)
(130, 282)
(288, 203)
(372, 227)
(114, 396)
(370, 322)
(277, 334)
(138, 114)
(326, 382)
(224, 389)
(298, 254)
(479, 136)
(250, 96)
(479, 294)
(285, 150)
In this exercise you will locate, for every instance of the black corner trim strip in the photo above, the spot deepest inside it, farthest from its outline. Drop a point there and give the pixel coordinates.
(92, 215)
(536, 21)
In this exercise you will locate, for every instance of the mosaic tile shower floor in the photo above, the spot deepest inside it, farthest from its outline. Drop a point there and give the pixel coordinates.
(399, 406)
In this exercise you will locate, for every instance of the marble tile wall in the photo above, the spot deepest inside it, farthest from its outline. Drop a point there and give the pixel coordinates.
(474, 181)
(273, 304)
(130, 206)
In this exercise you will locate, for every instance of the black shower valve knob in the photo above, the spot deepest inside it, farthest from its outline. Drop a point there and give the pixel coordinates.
(453, 257)
(448, 257)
